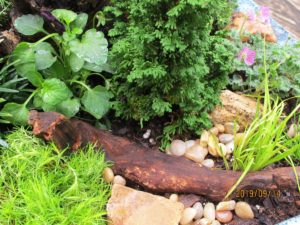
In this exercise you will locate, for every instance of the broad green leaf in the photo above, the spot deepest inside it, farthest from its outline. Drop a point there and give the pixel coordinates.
(92, 48)
(43, 56)
(80, 21)
(98, 68)
(76, 63)
(96, 101)
(2, 100)
(25, 56)
(29, 24)
(57, 70)
(18, 113)
(69, 107)
(64, 15)
(54, 91)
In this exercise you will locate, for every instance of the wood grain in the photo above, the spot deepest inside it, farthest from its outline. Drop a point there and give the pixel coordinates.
(286, 12)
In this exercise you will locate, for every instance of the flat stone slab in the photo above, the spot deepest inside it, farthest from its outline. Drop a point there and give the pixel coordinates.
(131, 207)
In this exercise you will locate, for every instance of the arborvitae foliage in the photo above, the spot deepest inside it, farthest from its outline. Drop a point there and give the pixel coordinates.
(168, 59)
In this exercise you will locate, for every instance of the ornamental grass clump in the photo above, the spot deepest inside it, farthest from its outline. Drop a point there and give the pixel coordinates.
(265, 141)
(39, 185)
(168, 60)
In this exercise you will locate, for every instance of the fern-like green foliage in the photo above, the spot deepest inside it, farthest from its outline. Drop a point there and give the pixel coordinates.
(169, 59)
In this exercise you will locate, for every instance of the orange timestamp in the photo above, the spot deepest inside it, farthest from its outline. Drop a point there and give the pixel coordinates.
(257, 193)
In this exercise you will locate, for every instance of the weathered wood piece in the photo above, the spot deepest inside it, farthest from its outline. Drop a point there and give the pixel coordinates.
(154, 170)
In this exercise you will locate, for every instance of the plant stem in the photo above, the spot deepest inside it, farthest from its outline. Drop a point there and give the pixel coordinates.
(30, 97)
(45, 38)
(81, 83)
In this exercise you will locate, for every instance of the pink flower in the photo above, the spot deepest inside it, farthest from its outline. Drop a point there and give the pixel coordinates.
(251, 15)
(265, 14)
(247, 55)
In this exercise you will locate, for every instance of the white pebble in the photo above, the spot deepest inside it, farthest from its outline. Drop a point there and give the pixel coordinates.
(215, 222)
(226, 138)
(119, 180)
(177, 148)
(230, 147)
(199, 208)
(202, 221)
(196, 153)
(174, 197)
(209, 163)
(292, 131)
(190, 143)
(147, 134)
(209, 211)
(187, 216)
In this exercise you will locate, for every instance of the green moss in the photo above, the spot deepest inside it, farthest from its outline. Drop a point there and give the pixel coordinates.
(38, 185)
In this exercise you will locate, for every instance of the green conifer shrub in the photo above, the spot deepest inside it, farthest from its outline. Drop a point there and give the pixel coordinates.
(169, 59)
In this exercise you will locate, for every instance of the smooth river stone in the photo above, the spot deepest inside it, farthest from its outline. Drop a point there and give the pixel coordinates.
(119, 180)
(108, 175)
(187, 216)
(178, 148)
(220, 127)
(226, 205)
(196, 153)
(226, 138)
(199, 208)
(209, 211)
(224, 216)
(243, 210)
(231, 128)
(209, 163)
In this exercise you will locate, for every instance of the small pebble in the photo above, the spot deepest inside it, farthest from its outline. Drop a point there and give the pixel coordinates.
(174, 197)
(147, 134)
(292, 131)
(224, 216)
(222, 150)
(243, 210)
(196, 153)
(190, 144)
(238, 138)
(230, 147)
(187, 216)
(177, 148)
(215, 222)
(220, 127)
(168, 151)
(152, 141)
(108, 175)
(209, 163)
(226, 138)
(209, 211)
(204, 138)
(119, 180)
(199, 208)
(213, 145)
(202, 221)
(231, 128)
(226, 205)
(214, 131)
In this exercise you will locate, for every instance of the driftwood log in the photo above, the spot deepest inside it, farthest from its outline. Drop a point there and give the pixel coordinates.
(151, 169)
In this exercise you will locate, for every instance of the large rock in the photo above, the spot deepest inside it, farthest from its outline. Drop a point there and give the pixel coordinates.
(131, 207)
(234, 108)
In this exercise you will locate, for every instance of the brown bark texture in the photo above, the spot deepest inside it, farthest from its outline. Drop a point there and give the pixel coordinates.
(153, 170)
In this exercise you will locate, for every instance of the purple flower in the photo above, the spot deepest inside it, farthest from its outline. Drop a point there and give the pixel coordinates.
(265, 14)
(247, 55)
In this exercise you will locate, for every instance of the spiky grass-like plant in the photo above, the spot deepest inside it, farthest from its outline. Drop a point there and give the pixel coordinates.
(39, 185)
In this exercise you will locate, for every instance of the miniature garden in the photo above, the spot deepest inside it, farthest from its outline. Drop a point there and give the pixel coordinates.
(152, 112)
